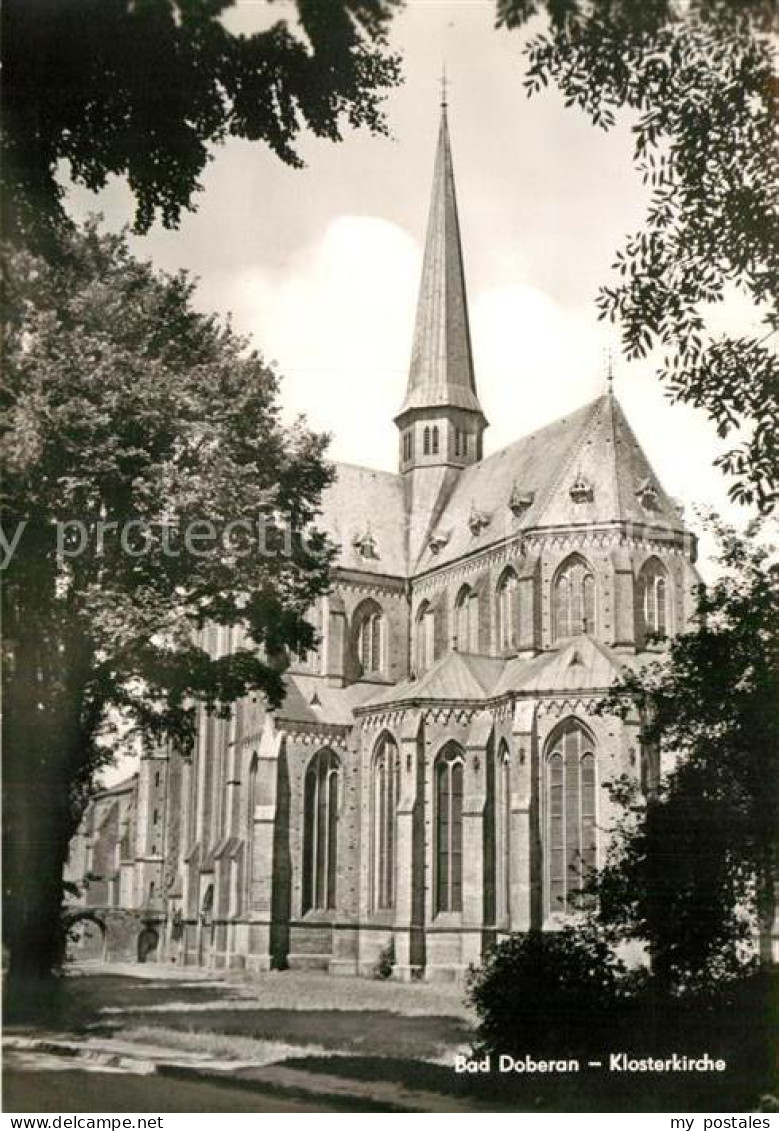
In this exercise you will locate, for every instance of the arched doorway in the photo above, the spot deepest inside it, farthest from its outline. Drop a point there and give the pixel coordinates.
(148, 941)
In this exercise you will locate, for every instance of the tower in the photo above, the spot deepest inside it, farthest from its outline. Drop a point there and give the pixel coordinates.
(441, 422)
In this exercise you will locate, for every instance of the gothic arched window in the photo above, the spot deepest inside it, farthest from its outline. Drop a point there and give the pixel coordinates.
(457, 441)
(425, 637)
(449, 769)
(653, 599)
(502, 831)
(466, 621)
(426, 441)
(369, 629)
(320, 832)
(574, 598)
(251, 805)
(508, 611)
(434, 440)
(386, 789)
(570, 834)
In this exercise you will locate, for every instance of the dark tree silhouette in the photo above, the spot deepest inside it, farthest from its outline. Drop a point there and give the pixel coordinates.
(126, 407)
(694, 873)
(144, 89)
(696, 81)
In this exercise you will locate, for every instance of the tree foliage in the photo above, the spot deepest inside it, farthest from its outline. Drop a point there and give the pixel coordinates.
(124, 406)
(693, 874)
(697, 81)
(144, 89)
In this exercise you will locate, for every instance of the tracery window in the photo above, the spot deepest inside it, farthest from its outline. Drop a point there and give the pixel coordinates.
(320, 831)
(425, 637)
(449, 770)
(466, 620)
(502, 832)
(570, 832)
(386, 789)
(653, 598)
(369, 637)
(508, 611)
(574, 598)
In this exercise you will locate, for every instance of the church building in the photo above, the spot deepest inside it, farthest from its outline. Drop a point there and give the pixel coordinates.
(434, 778)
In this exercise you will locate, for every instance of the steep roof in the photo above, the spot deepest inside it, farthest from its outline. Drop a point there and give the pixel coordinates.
(455, 676)
(579, 664)
(365, 502)
(310, 699)
(593, 447)
(441, 371)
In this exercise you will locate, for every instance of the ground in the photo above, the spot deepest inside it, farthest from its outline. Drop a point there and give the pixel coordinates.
(153, 1039)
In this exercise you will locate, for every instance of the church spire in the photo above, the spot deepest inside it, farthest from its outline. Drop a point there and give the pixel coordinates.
(441, 373)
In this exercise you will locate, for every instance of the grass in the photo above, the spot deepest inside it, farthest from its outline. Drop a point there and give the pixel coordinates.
(216, 1046)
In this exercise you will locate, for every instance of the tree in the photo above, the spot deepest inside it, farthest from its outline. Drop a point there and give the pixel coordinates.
(694, 873)
(138, 432)
(696, 79)
(143, 90)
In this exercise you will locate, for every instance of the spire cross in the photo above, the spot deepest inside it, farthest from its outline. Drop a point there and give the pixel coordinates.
(609, 372)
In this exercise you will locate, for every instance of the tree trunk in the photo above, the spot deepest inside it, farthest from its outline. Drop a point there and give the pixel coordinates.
(42, 750)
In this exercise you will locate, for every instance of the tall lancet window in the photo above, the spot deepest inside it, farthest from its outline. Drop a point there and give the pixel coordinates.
(502, 832)
(386, 789)
(369, 632)
(574, 598)
(424, 637)
(434, 439)
(570, 813)
(426, 442)
(508, 611)
(251, 806)
(449, 770)
(320, 832)
(466, 621)
(653, 599)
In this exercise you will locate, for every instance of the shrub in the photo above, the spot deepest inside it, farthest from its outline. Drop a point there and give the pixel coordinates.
(553, 994)
(386, 961)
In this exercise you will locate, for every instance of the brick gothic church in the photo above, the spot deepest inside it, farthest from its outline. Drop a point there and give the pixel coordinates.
(433, 778)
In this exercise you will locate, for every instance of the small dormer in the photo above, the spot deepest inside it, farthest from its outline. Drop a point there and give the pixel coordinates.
(478, 520)
(647, 495)
(581, 490)
(365, 544)
(519, 501)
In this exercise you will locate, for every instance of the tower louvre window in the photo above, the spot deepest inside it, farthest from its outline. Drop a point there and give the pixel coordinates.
(426, 442)
(434, 440)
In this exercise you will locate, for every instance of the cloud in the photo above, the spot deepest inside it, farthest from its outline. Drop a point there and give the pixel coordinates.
(338, 322)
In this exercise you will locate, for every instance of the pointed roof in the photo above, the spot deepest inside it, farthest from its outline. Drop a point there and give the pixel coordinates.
(441, 372)
(594, 444)
(455, 677)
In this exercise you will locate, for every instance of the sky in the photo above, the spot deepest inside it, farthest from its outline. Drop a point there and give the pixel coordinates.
(320, 266)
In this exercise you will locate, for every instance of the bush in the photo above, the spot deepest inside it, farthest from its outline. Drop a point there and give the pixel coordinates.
(553, 994)
(565, 994)
(386, 961)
